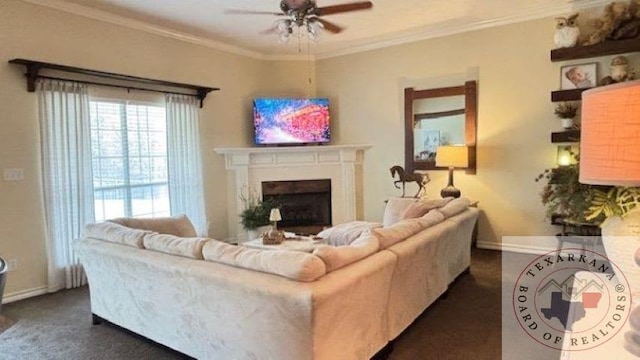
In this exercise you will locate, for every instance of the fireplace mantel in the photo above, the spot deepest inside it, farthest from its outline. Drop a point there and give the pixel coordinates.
(340, 163)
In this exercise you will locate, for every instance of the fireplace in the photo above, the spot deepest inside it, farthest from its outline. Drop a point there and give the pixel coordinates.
(343, 164)
(305, 205)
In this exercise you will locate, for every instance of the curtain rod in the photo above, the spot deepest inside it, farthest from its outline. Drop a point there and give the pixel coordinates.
(34, 67)
(115, 86)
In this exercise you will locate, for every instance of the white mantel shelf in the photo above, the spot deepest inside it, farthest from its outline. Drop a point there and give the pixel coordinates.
(340, 163)
(291, 149)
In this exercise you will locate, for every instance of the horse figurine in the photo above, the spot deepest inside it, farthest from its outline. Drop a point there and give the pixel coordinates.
(420, 179)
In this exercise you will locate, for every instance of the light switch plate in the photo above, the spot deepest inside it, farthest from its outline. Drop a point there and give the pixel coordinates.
(13, 174)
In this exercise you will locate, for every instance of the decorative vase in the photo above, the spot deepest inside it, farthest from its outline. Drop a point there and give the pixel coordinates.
(621, 239)
(253, 234)
(567, 123)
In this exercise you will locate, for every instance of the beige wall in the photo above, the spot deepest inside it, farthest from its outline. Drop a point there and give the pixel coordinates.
(515, 114)
(514, 76)
(39, 33)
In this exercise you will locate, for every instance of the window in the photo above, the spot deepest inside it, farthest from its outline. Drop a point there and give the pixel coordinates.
(129, 157)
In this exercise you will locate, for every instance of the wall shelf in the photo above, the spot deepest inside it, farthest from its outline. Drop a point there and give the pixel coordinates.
(567, 95)
(611, 47)
(565, 136)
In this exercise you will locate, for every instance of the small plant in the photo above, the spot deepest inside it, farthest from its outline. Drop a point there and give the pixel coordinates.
(256, 211)
(566, 110)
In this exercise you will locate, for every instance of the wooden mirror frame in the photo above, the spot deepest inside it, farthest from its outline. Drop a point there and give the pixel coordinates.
(469, 90)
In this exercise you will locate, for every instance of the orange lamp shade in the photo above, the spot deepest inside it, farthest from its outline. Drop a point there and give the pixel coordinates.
(456, 156)
(610, 137)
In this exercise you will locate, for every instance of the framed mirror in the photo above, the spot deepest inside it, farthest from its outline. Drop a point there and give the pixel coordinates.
(437, 117)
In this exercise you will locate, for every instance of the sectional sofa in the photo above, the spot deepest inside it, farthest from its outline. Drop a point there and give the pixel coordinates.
(213, 300)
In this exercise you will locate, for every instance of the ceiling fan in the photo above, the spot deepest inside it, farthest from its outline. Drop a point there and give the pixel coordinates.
(307, 14)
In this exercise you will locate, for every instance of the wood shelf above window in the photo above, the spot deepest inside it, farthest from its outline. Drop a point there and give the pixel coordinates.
(565, 136)
(611, 47)
(567, 95)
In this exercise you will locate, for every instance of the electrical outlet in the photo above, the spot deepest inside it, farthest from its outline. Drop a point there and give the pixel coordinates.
(13, 174)
(12, 264)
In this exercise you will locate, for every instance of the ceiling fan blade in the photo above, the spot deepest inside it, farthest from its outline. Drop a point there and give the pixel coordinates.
(329, 26)
(252, 12)
(335, 9)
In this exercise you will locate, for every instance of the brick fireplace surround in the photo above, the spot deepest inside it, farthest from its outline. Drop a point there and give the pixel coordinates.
(342, 164)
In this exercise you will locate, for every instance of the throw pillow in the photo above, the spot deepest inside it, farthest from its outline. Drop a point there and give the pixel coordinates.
(421, 207)
(178, 225)
(431, 218)
(337, 257)
(394, 210)
(345, 234)
(174, 245)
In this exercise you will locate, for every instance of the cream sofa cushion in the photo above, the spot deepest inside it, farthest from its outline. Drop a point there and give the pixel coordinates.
(431, 218)
(294, 265)
(116, 233)
(456, 206)
(175, 245)
(178, 225)
(419, 208)
(336, 257)
(397, 232)
(345, 234)
(396, 206)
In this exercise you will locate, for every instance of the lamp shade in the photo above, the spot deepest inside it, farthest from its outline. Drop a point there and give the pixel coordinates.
(610, 137)
(275, 215)
(452, 156)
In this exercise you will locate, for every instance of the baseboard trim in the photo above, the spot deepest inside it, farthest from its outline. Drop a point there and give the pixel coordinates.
(24, 294)
(525, 249)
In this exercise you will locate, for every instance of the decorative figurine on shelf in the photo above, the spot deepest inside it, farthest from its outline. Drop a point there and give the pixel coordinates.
(420, 179)
(621, 20)
(567, 32)
(620, 71)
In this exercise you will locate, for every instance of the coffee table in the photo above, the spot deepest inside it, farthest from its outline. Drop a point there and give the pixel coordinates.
(304, 244)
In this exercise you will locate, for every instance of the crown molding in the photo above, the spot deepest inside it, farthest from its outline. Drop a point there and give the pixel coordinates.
(373, 43)
(430, 33)
(105, 16)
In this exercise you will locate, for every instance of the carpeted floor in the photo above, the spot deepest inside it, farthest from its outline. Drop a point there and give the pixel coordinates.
(464, 325)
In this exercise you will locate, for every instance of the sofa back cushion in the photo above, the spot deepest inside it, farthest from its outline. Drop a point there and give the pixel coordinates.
(335, 257)
(178, 225)
(395, 208)
(116, 233)
(419, 208)
(456, 206)
(175, 245)
(345, 234)
(295, 265)
(397, 232)
(431, 218)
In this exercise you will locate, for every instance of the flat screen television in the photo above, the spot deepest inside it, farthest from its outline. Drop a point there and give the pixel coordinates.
(291, 121)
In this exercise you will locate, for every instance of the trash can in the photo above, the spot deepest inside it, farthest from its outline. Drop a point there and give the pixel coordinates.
(3, 279)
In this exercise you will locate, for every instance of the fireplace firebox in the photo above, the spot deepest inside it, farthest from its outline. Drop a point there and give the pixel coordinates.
(305, 205)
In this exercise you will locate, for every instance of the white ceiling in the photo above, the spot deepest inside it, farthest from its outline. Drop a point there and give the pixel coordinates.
(389, 22)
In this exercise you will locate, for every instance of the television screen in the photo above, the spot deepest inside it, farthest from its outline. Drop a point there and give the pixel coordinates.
(291, 121)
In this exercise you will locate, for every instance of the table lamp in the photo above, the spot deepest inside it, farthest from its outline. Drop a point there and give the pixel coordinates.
(456, 156)
(610, 155)
(275, 216)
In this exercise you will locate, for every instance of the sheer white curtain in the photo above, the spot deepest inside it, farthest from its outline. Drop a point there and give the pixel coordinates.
(186, 192)
(66, 176)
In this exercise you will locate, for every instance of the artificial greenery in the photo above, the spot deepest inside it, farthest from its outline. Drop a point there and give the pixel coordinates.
(565, 195)
(256, 211)
(566, 110)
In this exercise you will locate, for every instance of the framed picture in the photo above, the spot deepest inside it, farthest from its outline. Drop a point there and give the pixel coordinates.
(578, 76)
